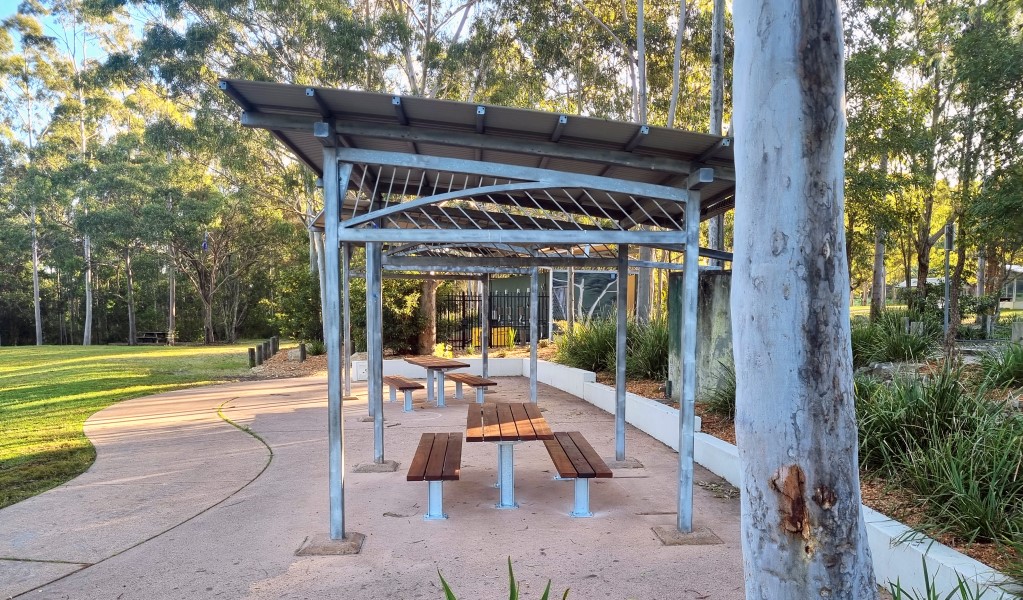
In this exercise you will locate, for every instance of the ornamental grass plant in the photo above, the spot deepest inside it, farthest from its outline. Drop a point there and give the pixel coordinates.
(1003, 368)
(960, 452)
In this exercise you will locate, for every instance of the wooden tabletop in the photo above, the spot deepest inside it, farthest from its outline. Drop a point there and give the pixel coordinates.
(506, 422)
(435, 362)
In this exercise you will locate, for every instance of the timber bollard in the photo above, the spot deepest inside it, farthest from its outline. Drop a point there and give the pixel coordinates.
(277, 343)
(259, 354)
(266, 350)
(1017, 332)
(252, 358)
(301, 352)
(905, 324)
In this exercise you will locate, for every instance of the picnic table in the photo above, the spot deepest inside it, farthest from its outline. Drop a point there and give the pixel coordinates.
(506, 424)
(435, 365)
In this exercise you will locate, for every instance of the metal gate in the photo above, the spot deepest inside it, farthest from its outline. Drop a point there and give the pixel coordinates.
(458, 321)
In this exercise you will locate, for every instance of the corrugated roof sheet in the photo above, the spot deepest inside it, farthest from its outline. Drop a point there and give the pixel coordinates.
(373, 109)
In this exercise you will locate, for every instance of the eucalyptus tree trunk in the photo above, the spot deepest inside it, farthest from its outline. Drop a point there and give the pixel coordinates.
(716, 225)
(802, 532)
(877, 285)
(428, 310)
(35, 278)
(86, 241)
(131, 297)
(676, 65)
(87, 326)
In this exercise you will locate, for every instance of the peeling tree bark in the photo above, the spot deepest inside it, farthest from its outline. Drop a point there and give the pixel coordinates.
(803, 535)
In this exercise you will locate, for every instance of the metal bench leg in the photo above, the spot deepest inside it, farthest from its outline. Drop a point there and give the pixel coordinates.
(394, 394)
(440, 389)
(429, 386)
(458, 390)
(479, 394)
(582, 498)
(408, 401)
(507, 471)
(435, 507)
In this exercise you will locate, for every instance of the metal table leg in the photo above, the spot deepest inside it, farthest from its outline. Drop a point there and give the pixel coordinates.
(458, 390)
(506, 452)
(440, 389)
(429, 386)
(435, 506)
(408, 401)
(394, 394)
(582, 498)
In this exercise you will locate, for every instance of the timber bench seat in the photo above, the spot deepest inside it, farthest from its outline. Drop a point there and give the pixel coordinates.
(474, 381)
(437, 459)
(397, 382)
(575, 458)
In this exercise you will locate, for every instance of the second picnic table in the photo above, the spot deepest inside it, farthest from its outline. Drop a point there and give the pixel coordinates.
(435, 365)
(506, 424)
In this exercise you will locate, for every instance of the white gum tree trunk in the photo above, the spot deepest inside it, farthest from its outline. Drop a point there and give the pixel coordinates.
(803, 534)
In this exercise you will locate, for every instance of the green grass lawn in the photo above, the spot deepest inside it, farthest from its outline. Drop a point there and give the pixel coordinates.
(47, 393)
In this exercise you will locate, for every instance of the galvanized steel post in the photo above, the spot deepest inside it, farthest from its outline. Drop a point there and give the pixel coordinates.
(335, 180)
(687, 404)
(346, 304)
(534, 328)
(485, 324)
(623, 309)
(375, 346)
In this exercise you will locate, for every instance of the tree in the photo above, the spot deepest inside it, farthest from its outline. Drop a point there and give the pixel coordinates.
(803, 535)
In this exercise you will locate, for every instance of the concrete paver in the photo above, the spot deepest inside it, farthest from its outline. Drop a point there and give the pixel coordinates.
(234, 540)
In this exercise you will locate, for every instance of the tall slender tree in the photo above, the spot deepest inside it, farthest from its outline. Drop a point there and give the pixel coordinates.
(803, 534)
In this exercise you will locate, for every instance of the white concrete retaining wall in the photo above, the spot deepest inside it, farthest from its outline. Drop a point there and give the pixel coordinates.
(894, 559)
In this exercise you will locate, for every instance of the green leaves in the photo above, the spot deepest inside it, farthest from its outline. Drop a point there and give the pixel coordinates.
(513, 588)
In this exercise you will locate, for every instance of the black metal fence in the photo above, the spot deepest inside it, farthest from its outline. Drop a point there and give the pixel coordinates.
(458, 320)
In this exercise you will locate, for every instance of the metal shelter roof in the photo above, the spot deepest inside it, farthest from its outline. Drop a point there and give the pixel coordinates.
(418, 165)
(455, 187)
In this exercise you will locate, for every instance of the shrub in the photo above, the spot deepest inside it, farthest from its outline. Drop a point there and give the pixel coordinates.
(954, 448)
(315, 348)
(647, 350)
(592, 347)
(887, 341)
(721, 400)
(1003, 368)
(443, 350)
(589, 346)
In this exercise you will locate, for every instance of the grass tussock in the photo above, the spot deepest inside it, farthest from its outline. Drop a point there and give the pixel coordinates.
(950, 445)
(721, 400)
(886, 340)
(591, 346)
(1003, 368)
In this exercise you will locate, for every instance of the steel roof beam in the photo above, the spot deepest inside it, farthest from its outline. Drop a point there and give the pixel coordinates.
(497, 236)
(539, 148)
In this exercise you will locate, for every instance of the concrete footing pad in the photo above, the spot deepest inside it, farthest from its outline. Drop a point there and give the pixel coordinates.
(628, 463)
(368, 419)
(699, 536)
(388, 466)
(321, 545)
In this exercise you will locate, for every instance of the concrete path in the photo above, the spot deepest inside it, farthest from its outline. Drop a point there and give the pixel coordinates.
(182, 504)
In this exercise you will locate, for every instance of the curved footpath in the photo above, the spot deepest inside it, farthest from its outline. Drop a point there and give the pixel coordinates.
(182, 504)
